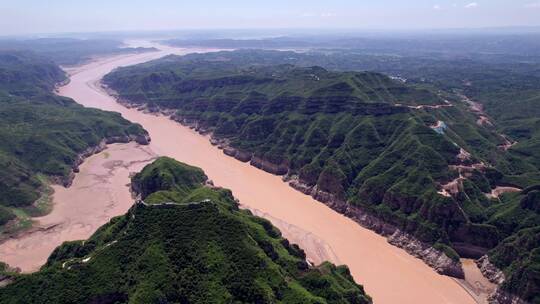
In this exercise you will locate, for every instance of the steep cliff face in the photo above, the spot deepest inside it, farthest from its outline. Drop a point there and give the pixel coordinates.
(490, 271)
(268, 166)
(495, 275)
(515, 264)
(437, 259)
(240, 155)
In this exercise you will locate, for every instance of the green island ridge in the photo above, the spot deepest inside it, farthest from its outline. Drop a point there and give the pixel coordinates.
(184, 241)
(414, 161)
(44, 137)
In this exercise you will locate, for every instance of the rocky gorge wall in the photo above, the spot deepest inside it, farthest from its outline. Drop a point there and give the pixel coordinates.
(433, 257)
(436, 259)
(496, 276)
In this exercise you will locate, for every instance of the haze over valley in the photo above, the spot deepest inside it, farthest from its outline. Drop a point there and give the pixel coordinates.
(192, 155)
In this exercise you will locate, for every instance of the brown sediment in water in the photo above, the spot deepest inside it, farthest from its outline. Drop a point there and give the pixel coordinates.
(388, 273)
(98, 193)
(478, 286)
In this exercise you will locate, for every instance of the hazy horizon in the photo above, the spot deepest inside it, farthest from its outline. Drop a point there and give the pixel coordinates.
(28, 17)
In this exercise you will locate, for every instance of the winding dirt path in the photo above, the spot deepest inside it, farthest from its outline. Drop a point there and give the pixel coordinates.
(388, 273)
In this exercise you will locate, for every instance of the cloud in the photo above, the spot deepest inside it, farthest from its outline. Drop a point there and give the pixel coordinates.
(320, 15)
(533, 5)
(309, 14)
(471, 5)
(437, 7)
(327, 15)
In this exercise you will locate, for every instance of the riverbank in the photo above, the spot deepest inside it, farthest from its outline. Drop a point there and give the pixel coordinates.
(388, 273)
(464, 272)
(27, 217)
(97, 193)
(372, 261)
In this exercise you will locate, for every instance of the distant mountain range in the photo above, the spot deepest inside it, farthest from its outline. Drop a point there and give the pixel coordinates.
(69, 51)
(398, 43)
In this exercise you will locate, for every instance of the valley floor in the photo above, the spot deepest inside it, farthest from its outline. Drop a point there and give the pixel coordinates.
(388, 273)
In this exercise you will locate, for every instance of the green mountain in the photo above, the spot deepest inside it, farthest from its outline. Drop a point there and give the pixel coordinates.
(416, 159)
(43, 137)
(518, 255)
(184, 242)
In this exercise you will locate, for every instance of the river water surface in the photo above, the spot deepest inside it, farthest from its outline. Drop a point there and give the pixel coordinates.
(388, 273)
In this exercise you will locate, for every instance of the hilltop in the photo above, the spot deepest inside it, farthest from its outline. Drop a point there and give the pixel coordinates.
(183, 242)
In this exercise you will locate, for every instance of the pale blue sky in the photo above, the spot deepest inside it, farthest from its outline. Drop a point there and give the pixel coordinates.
(43, 16)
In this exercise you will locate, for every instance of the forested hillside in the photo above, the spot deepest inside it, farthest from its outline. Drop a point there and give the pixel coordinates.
(184, 242)
(414, 158)
(43, 137)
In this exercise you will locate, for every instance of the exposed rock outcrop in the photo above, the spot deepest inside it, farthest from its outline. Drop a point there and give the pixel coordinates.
(277, 169)
(243, 156)
(496, 276)
(239, 155)
(490, 271)
(502, 297)
(431, 256)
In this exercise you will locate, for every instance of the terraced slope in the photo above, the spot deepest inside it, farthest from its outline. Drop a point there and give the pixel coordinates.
(43, 137)
(185, 243)
(407, 162)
